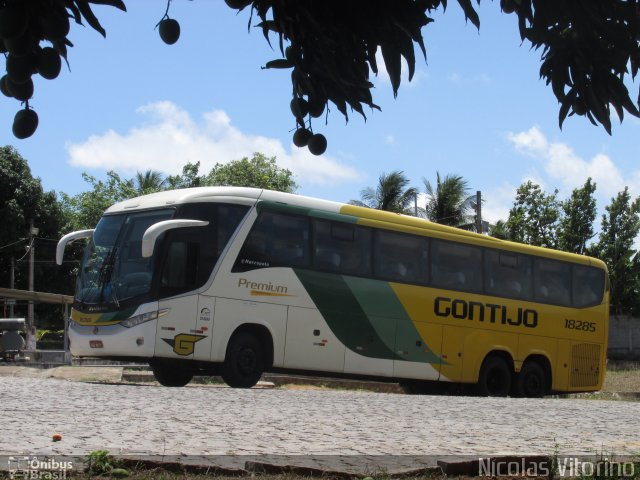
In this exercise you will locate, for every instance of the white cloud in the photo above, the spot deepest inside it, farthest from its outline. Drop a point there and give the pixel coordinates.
(458, 79)
(383, 76)
(169, 138)
(567, 170)
(532, 142)
(497, 202)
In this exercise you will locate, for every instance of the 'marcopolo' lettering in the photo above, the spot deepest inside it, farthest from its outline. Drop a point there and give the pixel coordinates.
(491, 312)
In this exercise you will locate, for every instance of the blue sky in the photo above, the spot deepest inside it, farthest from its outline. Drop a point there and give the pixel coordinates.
(476, 108)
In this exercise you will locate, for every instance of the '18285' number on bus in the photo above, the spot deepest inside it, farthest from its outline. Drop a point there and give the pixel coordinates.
(579, 325)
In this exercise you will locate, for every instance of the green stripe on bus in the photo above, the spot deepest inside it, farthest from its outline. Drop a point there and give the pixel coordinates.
(343, 313)
(386, 314)
(308, 212)
(281, 208)
(338, 217)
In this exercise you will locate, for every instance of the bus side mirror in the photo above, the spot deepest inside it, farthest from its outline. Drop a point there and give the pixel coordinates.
(68, 238)
(154, 231)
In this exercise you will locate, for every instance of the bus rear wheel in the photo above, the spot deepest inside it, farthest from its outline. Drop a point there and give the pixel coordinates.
(531, 381)
(495, 378)
(170, 373)
(244, 362)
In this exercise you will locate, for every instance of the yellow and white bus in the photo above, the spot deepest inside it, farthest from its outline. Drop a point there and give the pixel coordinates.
(241, 281)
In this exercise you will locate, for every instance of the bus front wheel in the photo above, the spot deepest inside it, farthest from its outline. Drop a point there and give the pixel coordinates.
(495, 378)
(244, 362)
(171, 374)
(531, 381)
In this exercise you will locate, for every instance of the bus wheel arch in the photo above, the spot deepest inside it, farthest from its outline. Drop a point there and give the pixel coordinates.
(249, 353)
(535, 377)
(496, 374)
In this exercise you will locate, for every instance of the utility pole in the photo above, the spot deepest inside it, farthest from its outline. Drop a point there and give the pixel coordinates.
(31, 328)
(479, 211)
(12, 284)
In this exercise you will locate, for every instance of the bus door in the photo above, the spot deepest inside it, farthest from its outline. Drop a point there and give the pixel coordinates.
(176, 335)
(185, 328)
(186, 265)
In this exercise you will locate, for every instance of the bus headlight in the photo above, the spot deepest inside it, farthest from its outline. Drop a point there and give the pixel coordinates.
(145, 317)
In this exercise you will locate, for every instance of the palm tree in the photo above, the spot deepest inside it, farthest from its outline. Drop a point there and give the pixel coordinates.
(149, 182)
(499, 230)
(391, 194)
(449, 203)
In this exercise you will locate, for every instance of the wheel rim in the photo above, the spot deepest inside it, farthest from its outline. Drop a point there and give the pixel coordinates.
(247, 361)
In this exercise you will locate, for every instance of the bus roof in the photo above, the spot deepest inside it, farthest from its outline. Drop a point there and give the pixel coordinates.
(249, 196)
(245, 195)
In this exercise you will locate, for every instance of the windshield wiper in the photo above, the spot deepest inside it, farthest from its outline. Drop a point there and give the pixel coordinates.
(106, 272)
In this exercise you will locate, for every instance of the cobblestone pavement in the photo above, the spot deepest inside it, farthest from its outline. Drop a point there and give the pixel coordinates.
(202, 420)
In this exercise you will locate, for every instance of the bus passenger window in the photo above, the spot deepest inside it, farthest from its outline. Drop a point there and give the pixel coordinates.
(508, 274)
(456, 266)
(275, 240)
(342, 248)
(289, 241)
(400, 257)
(587, 285)
(552, 280)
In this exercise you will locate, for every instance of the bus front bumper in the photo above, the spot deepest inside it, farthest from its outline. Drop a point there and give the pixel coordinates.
(112, 340)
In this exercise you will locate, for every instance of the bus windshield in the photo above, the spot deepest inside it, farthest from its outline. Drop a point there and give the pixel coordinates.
(112, 268)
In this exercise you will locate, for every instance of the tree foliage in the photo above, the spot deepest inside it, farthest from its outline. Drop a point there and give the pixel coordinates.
(23, 199)
(589, 49)
(619, 229)
(259, 171)
(576, 223)
(149, 181)
(534, 217)
(586, 50)
(499, 230)
(449, 202)
(392, 194)
(85, 209)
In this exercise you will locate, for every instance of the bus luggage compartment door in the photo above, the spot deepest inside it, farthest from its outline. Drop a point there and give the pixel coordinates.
(419, 347)
(310, 343)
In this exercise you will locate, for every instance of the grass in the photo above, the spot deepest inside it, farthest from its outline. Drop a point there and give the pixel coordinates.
(622, 381)
(101, 464)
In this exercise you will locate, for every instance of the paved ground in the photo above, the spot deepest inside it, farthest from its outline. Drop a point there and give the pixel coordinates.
(201, 420)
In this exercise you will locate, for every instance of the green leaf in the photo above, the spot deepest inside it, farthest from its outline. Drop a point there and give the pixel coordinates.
(119, 4)
(406, 48)
(279, 63)
(392, 61)
(566, 106)
(87, 13)
(470, 13)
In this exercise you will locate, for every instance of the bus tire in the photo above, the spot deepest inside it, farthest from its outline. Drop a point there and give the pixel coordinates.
(495, 378)
(171, 374)
(531, 381)
(244, 362)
